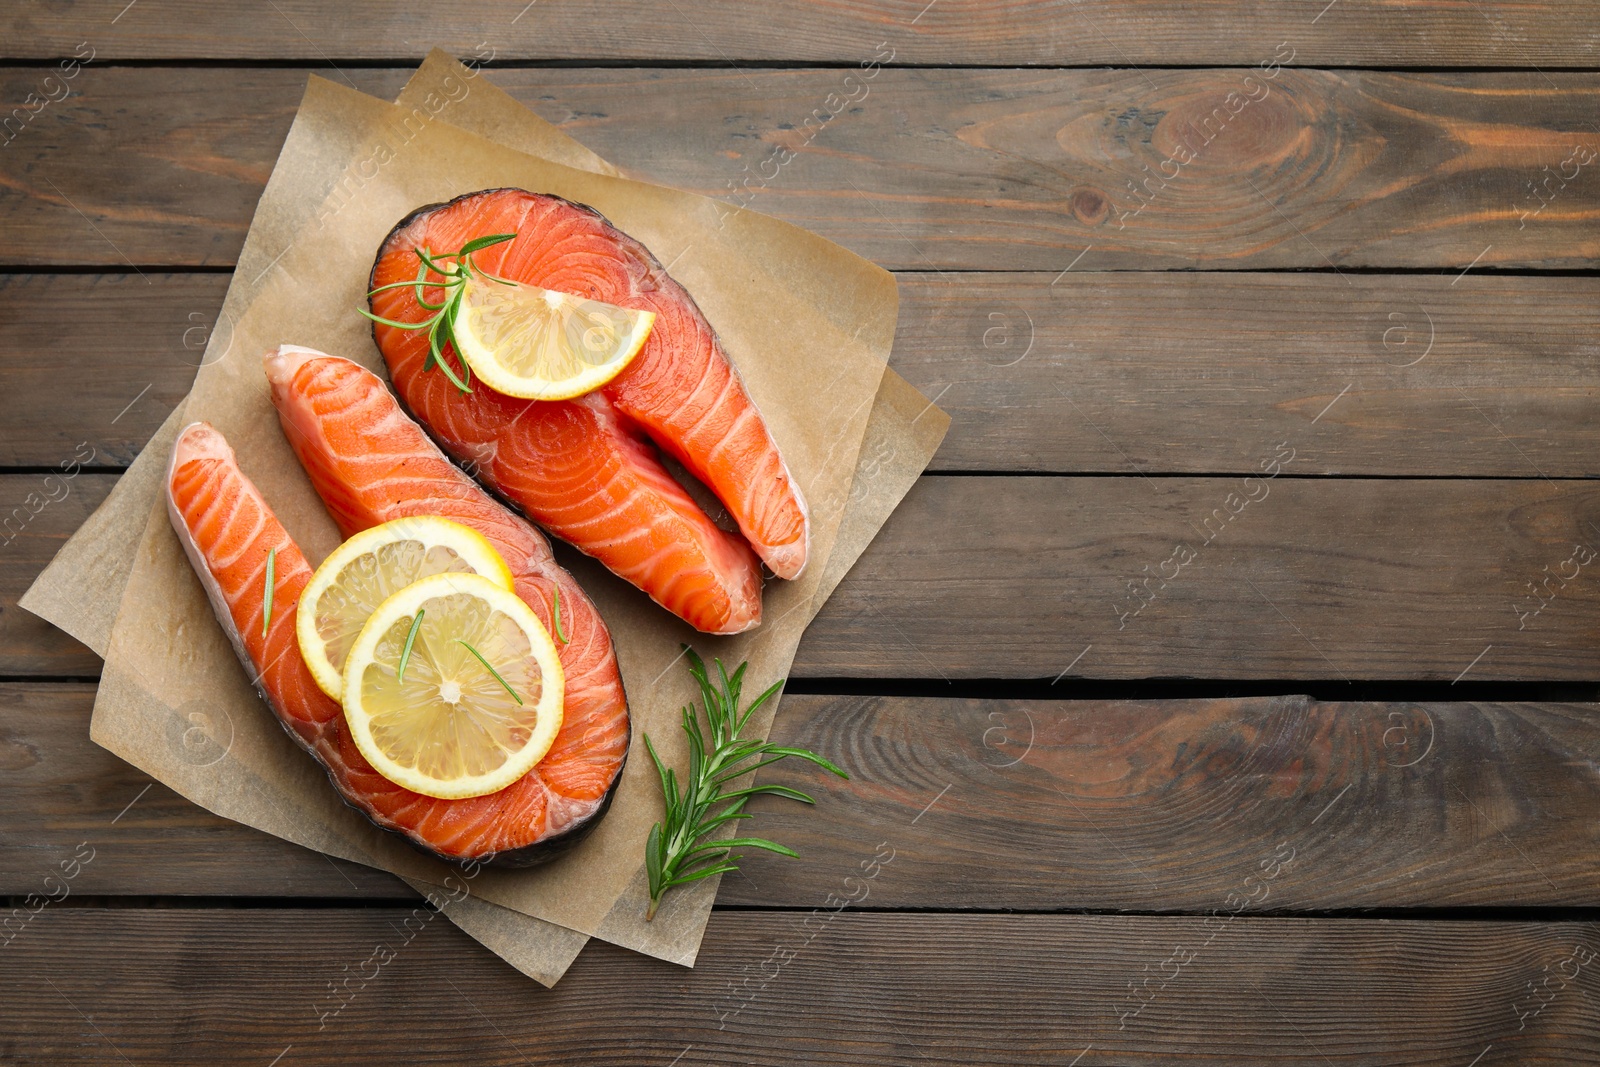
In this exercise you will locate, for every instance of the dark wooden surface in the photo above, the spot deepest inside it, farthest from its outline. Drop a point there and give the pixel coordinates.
(1374, 802)
(931, 168)
(862, 990)
(1329, 795)
(1015, 990)
(1550, 34)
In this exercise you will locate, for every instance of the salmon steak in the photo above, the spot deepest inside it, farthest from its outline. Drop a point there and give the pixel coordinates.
(228, 531)
(587, 469)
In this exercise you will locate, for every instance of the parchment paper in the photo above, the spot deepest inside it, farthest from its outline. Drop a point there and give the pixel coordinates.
(253, 783)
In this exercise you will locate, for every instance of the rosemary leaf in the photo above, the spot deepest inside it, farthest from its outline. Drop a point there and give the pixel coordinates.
(432, 263)
(555, 613)
(266, 596)
(680, 849)
(451, 309)
(417, 283)
(477, 244)
(726, 868)
(490, 668)
(405, 653)
(758, 842)
(420, 284)
(436, 351)
(775, 790)
(390, 322)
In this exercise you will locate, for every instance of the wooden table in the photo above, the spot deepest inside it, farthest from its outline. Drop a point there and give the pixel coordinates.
(1221, 695)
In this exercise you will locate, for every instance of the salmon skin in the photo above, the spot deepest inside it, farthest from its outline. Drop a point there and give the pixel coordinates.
(228, 531)
(586, 469)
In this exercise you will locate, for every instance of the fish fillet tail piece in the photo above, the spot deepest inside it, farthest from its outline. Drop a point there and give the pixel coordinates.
(229, 532)
(584, 468)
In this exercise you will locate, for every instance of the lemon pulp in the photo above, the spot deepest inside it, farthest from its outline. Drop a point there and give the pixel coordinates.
(541, 344)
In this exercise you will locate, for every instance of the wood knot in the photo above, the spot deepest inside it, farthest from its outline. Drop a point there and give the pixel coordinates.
(1253, 123)
(17, 755)
(1089, 206)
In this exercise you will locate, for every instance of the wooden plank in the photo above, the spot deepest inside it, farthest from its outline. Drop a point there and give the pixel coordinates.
(1178, 372)
(1176, 804)
(1334, 579)
(85, 985)
(1025, 805)
(1402, 33)
(38, 512)
(925, 168)
(1338, 579)
(70, 797)
(129, 344)
(1488, 376)
(144, 166)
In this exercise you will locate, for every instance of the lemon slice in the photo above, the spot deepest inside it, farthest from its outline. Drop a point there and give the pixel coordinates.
(539, 344)
(371, 567)
(480, 698)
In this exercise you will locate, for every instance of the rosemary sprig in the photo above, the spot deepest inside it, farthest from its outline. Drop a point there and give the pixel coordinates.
(676, 851)
(266, 600)
(411, 638)
(490, 668)
(443, 320)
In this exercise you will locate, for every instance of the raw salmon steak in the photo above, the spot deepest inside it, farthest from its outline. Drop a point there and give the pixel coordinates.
(228, 532)
(587, 469)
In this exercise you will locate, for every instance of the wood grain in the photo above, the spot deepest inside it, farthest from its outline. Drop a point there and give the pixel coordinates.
(42, 511)
(1187, 805)
(87, 986)
(100, 359)
(1321, 578)
(64, 791)
(1338, 579)
(987, 804)
(1177, 372)
(978, 32)
(140, 166)
(1113, 373)
(925, 168)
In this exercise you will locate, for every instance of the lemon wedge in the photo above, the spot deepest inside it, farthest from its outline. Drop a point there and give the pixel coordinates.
(538, 344)
(453, 688)
(371, 567)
